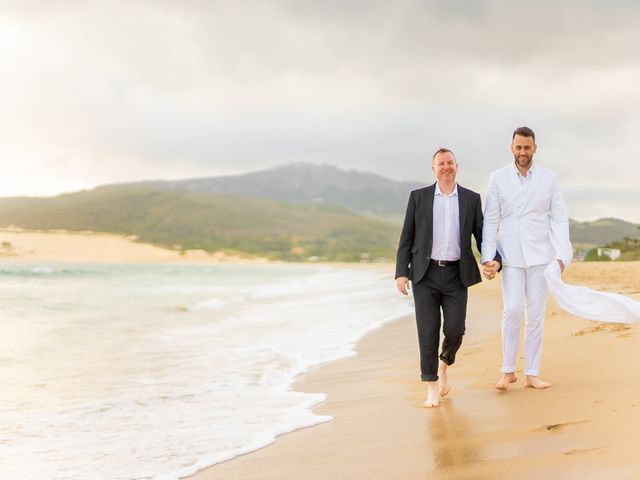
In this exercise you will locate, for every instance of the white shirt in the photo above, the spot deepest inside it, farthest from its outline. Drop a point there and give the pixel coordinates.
(446, 225)
(521, 177)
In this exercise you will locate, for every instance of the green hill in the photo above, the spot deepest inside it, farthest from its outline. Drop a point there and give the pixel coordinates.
(362, 192)
(629, 248)
(600, 232)
(291, 212)
(210, 221)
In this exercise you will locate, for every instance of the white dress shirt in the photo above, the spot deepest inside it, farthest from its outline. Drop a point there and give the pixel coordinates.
(524, 178)
(446, 225)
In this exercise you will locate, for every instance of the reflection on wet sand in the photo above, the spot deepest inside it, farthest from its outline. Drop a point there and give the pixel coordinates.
(451, 445)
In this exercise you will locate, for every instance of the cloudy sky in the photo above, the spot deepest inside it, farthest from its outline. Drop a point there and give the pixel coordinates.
(107, 91)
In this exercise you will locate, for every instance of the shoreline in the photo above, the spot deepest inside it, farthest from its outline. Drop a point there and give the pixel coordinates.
(159, 338)
(380, 430)
(357, 388)
(589, 418)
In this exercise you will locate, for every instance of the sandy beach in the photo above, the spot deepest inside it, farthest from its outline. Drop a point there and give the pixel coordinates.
(17, 245)
(584, 427)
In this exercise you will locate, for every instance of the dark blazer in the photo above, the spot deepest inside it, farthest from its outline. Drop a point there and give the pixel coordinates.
(416, 239)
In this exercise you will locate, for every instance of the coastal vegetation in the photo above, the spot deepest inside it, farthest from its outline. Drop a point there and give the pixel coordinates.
(629, 250)
(601, 232)
(297, 212)
(212, 222)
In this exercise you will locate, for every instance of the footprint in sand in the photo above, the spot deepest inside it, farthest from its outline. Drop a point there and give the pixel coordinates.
(600, 327)
(575, 451)
(557, 427)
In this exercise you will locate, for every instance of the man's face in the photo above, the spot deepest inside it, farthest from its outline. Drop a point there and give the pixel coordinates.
(523, 149)
(445, 167)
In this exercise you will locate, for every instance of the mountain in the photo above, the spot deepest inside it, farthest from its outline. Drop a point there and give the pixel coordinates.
(601, 232)
(361, 192)
(210, 221)
(290, 213)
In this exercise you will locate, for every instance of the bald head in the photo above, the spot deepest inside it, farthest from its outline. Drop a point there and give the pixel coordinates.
(442, 150)
(444, 166)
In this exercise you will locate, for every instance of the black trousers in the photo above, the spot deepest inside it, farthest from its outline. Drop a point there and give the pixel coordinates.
(440, 288)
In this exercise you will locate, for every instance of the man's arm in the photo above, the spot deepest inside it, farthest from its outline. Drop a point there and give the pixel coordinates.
(403, 258)
(490, 223)
(490, 268)
(559, 225)
(477, 224)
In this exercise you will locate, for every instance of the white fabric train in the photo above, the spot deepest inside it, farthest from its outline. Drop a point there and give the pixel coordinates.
(591, 304)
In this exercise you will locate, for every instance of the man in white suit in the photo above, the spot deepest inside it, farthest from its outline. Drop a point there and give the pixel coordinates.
(525, 220)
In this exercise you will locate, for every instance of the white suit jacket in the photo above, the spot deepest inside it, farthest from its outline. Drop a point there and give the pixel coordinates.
(527, 223)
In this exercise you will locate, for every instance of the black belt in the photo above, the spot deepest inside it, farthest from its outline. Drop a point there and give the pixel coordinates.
(444, 263)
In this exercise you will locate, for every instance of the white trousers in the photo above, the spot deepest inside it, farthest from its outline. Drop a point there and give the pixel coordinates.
(524, 290)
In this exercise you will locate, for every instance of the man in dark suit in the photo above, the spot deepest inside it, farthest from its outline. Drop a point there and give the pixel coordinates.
(435, 253)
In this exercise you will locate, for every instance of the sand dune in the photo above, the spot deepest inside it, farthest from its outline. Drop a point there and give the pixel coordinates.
(18, 245)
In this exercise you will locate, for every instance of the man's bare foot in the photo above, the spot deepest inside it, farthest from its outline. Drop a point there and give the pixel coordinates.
(443, 379)
(506, 380)
(432, 395)
(535, 382)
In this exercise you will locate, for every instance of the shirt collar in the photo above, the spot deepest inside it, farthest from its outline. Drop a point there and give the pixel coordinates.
(439, 192)
(531, 169)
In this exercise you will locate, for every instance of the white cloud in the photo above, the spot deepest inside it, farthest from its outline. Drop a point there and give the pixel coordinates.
(98, 92)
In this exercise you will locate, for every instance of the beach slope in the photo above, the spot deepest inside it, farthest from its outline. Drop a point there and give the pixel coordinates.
(584, 427)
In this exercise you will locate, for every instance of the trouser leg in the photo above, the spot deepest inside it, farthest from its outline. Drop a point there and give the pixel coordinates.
(513, 293)
(535, 307)
(454, 312)
(427, 301)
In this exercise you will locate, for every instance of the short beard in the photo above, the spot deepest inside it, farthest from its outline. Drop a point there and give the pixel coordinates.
(527, 165)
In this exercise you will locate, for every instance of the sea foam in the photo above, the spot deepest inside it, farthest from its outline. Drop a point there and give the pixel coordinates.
(117, 385)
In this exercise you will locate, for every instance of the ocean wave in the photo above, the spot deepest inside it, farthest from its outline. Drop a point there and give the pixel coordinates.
(160, 395)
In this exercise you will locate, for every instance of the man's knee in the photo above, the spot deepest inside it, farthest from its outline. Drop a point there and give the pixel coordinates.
(512, 312)
(534, 320)
(453, 332)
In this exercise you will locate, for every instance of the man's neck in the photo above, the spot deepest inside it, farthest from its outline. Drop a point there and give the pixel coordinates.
(446, 187)
(523, 170)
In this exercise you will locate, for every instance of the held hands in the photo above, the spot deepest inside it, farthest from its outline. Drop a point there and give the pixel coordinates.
(402, 283)
(490, 268)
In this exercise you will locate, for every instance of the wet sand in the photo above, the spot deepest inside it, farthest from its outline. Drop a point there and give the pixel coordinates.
(584, 427)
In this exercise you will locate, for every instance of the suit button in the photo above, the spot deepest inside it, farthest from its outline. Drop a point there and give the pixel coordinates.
(427, 257)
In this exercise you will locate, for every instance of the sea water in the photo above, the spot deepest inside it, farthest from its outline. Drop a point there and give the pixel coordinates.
(157, 371)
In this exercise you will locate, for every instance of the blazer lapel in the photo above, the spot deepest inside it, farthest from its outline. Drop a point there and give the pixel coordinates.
(428, 205)
(462, 208)
(533, 186)
(513, 178)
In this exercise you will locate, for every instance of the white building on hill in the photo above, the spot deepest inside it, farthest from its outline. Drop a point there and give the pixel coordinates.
(612, 253)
